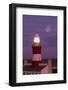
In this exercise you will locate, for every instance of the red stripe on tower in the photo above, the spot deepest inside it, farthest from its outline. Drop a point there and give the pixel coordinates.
(36, 51)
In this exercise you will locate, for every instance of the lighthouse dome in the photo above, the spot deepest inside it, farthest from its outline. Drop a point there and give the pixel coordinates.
(36, 38)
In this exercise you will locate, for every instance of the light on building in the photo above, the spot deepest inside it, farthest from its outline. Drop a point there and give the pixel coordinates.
(36, 39)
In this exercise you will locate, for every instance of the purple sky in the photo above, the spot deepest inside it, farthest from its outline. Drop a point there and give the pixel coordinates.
(46, 26)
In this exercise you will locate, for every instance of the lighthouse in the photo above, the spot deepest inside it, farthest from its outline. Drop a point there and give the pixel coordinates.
(36, 51)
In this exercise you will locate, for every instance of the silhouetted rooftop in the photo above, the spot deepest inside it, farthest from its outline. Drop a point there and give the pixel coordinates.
(30, 68)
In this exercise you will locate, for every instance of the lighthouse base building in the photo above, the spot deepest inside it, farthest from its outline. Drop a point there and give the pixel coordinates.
(32, 70)
(44, 67)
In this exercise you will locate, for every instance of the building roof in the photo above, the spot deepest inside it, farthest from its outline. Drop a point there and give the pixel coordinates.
(30, 68)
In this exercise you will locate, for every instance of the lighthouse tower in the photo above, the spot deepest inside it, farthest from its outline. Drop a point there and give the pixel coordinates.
(36, 51)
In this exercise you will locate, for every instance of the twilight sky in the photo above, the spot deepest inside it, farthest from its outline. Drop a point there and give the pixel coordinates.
(46, 26)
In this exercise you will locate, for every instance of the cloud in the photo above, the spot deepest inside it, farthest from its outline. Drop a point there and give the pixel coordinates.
(48, 29)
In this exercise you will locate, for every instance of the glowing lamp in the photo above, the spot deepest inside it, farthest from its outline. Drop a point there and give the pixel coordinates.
(36, 39)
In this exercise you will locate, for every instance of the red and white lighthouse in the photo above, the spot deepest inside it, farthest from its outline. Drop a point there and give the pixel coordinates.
(36, 50)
